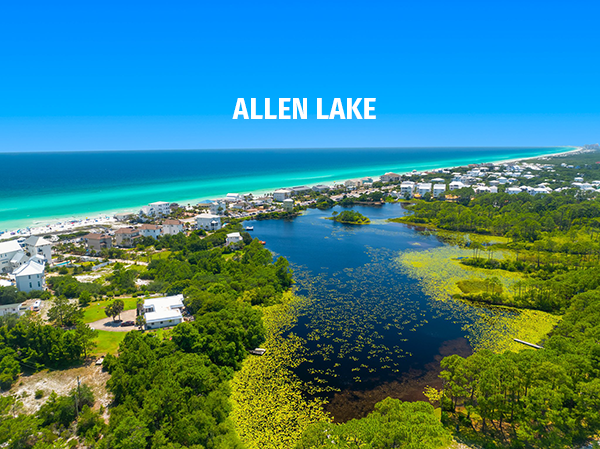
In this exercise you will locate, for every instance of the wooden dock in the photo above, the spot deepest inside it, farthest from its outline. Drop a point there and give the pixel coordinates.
(528, 344)
(257, 351)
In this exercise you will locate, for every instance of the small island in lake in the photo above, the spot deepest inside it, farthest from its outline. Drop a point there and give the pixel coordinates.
(350, 217)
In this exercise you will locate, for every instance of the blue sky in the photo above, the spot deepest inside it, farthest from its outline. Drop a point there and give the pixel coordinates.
(158, 75)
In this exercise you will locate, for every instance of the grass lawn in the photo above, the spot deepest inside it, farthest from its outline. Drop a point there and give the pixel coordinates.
(108, 342)
(95, 311)
(161, 255)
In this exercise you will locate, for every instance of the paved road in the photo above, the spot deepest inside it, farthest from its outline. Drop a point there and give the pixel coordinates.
(107, 324)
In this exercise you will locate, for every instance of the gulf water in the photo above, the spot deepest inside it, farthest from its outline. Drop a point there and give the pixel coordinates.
(39, 188)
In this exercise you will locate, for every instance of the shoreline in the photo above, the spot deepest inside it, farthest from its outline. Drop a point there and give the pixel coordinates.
(41, 226)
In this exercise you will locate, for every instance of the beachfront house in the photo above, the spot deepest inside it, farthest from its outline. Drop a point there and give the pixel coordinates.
(438, 189)
(301, 190)
(208, 222)
(390, 177)
(150, 230)
(38, 245)
(158, 208)
(8, 251)
(163, 312)
(234, 237)
(97, 242)
(352, 184)
(233, 197)
(125, 237)
(172, 227)
(407, 188)
(282, 194)
(423, 188)
(30, 276)
(321, 188)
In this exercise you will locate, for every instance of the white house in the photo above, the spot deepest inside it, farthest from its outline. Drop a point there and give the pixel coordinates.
(157, 208)
(9, 309)
(208, 222)
(455, 185)
(172, 227)
(218, 207)
(438, 189)
(8, 250)
(30, 276)
(234, 237)
(282, 194)
(407, 187)
(233, 197)
(423, 188)
(38, 245)
(288, 205)
(578, 179)
(513, 190)
(150, 230)
(163, 312)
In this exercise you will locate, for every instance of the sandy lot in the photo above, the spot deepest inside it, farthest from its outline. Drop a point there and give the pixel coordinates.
(62, 382)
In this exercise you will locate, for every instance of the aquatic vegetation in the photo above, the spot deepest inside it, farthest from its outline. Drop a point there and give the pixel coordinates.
(270, 408)
(440, 273)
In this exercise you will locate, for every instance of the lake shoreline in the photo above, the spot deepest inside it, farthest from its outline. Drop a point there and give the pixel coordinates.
(71, 223)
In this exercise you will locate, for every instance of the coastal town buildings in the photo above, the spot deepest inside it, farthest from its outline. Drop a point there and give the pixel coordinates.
(407, 188)
(232, 238)
(321, 188)
(172, 227)
(288, 205)
(217, 207)
(158, 208)
(12, 309)
(438, 189)
(97, 241)
(30, 276)
(208, 222)
(390, 177)
(36, 245)
(301, 190)
(150, 230)
(423, 188)
(282, 194)
(233, 197)
(163, 312)
(125, 237)
(8, 251)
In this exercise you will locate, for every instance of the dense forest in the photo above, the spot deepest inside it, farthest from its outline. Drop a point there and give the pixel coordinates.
(168, 393)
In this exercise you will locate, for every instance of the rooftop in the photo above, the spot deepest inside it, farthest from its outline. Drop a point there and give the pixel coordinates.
(30, 268)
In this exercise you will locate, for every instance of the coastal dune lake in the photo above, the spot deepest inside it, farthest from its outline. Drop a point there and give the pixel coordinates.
(368, 329)
(71, 185)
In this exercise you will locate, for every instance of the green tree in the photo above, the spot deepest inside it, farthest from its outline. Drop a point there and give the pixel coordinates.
(63, 312)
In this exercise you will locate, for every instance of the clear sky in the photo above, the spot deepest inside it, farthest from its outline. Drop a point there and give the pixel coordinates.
(159, 75)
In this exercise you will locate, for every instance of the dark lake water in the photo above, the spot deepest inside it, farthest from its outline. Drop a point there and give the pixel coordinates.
(369, 330)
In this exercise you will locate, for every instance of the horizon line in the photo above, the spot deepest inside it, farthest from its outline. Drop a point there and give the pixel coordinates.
(286, 148)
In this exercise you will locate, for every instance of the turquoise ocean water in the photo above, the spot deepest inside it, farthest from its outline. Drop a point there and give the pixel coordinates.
(38, 188)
